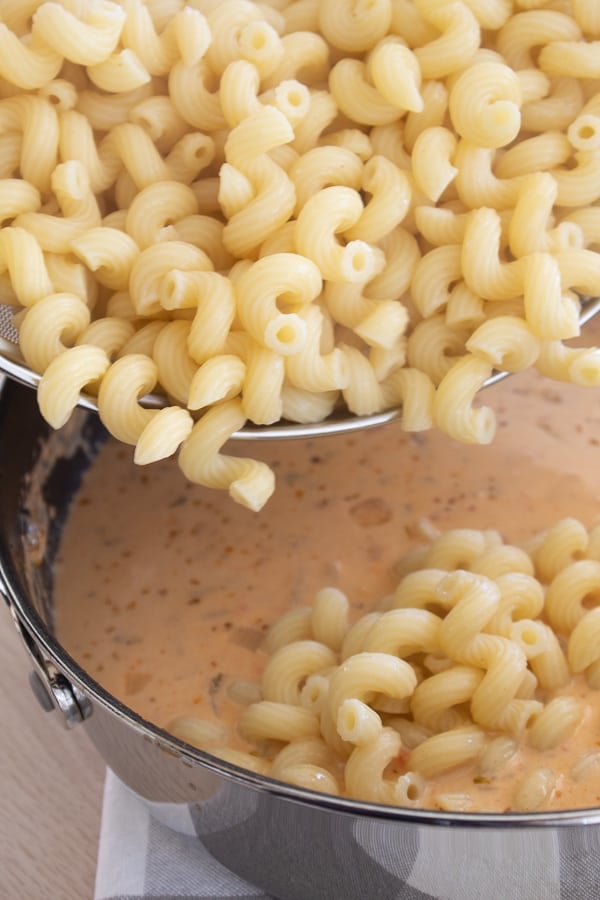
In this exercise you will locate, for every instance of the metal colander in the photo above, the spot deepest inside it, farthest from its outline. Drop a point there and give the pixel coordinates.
(341, 421)
(7, 329)
(11, 358)
(13, 364)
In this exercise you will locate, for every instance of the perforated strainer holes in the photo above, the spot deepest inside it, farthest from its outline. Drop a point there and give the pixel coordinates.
(7, 329)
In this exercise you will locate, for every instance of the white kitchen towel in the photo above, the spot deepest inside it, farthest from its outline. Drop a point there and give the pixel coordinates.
(148, 852)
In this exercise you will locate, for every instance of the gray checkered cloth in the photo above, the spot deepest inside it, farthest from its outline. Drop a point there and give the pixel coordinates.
(142, 857)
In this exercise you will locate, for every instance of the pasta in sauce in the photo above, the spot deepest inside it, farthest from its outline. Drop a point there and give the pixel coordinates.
(170, 598)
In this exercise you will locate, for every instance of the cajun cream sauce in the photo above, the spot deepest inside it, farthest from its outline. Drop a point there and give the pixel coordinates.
(164, 590)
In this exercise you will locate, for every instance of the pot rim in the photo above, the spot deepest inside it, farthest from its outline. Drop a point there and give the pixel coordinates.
(56, 654)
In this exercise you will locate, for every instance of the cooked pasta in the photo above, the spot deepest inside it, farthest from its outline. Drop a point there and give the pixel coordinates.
(448, 683)
(376, 203)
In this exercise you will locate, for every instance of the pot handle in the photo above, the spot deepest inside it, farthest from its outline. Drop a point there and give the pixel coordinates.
(50, 687)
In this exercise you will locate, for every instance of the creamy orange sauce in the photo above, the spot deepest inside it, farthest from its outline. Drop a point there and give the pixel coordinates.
(164, 589)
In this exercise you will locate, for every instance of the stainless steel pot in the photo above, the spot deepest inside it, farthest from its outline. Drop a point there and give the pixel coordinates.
(294, 844)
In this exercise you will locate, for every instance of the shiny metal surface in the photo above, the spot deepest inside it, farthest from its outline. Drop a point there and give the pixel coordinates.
(48, 683)
(340, 422)
(294, 844)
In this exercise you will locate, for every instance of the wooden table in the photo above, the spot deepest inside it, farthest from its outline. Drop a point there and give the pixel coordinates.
(51, 787)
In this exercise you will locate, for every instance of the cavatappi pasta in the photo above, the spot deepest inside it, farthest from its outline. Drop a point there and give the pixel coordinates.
(266, 210)
(451, 694)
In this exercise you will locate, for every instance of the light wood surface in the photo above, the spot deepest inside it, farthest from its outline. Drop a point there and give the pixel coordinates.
(51, 784)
